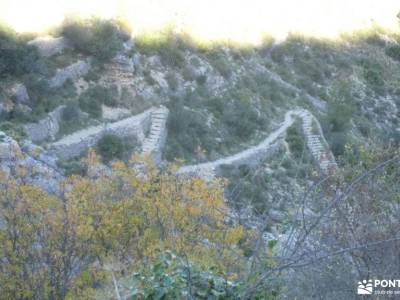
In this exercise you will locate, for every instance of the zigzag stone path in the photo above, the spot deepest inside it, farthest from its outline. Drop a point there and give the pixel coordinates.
(152, 120)
(257, 154)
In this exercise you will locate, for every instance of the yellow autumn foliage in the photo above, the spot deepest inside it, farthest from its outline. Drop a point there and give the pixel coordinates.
(55, 247)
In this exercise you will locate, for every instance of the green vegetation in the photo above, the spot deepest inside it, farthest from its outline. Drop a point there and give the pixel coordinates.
(12, 129)
(172, 81)
(16, 57)
(173, 278)
(72, 119)
(169, 46)
(92, 99)
(110, 147)
(124, 220)
(393, 51)
(190, 126)
(97, 37)
(373, 74)
(336, 125)
(295, 139)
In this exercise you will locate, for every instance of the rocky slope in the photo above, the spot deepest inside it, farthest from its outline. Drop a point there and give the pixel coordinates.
(210, 108)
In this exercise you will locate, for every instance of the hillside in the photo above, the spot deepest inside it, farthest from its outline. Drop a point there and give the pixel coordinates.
(275, 134)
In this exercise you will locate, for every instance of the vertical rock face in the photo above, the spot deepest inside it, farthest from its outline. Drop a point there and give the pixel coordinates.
(46, 128)
(48, 46)
(31, 164)
(74, 71)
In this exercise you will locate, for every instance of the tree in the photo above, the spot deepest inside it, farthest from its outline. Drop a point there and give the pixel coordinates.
(57, 248)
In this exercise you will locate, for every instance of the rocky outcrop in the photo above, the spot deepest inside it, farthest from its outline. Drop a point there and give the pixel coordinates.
(77, 143)
(74, 71)
(29, 164)
(48, 45)
(256, 154)
(19, 94)
(119, 71)
(47, 128)
(154, 142)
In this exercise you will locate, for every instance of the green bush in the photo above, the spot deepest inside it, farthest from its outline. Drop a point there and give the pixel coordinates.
(201, 79)
(172, 277)
(110, 147)
(73, 167)
(12, 129)
(335, 126)
(100, 38)
(295, 140)
(393, 51)
(70, 112)
(223, 67)
(172, 81)
(16, 57)
(373, 74)
(91, 100)
(172, 56)
(187, 132)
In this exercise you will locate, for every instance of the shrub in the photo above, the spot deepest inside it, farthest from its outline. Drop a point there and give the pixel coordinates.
(16, 57)
(172, 81)
(393, 51)
(172, 56)
(373, 74)
(91, 100)
(172, 277)
(335, 126)
(188, 73)
(295, 140)
(110, 147)
(223, 67)
(70, 112)
(73, 167)
(100, 38)
(201, 79)
(13, 130)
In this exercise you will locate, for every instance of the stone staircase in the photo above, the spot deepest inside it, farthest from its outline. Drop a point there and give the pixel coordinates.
(316, 143)
(155, 140)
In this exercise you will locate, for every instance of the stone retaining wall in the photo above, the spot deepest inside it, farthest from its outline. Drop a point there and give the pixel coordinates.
(47, 128)
(255, 155)
(77, 143)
